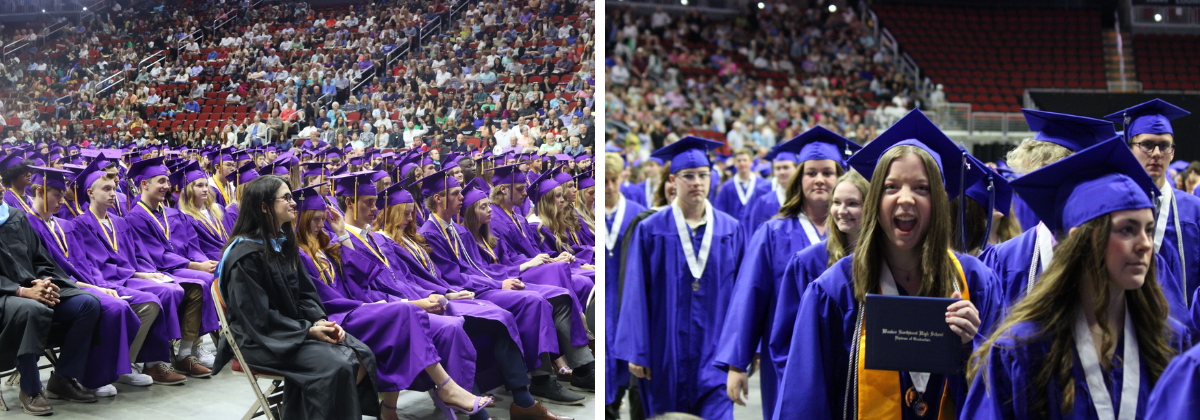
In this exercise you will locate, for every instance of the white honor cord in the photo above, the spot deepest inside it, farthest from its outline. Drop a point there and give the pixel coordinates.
(887, 284)
(1131, 377)
(610, 238)
(695, 263)
(810, 231)
(780, 194)
(744, 195)
(1043, 252)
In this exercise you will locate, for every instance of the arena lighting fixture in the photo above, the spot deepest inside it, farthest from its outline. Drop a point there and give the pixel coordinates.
(683, 2)
(85, 9)
(833, 8)
(1157, 17)
(761, 6)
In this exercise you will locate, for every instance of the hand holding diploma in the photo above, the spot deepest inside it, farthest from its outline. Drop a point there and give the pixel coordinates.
(963, 318)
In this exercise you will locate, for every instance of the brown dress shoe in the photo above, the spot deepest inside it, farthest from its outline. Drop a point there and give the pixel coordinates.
(163, 375)
(35, 405)
(535, 412)
(64, 388)
(191, 367)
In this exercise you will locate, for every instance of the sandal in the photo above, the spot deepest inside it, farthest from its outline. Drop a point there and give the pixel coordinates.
(448, 410)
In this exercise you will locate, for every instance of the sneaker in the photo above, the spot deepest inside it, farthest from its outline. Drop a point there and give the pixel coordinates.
(191, 367)
(162, 374)
(135, 379)
(206, 358)
(105, 391)
(553, 392)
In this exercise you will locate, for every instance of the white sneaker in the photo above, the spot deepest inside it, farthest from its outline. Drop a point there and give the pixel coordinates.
(135, 379)
(105, 391)
(206, 358)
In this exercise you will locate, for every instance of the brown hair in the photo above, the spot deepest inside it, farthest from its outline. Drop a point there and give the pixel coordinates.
(314, 244)
(392, 227)
(481, 231)
(549, 213)
(1079, 261)
(938, 272)
(795, 192)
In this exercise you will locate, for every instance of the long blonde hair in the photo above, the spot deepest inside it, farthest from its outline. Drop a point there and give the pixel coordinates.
(938, 273)
(187, 206)
(391, 226)
(588, 212)
(1052, 305)
(549, 213)
(315, 244)
(838, 245)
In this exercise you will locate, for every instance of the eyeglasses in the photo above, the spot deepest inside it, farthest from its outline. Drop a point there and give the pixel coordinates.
(1149, 146)
(287, 197)
(693, 177)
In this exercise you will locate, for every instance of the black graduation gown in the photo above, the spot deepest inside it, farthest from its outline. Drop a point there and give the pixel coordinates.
(25, 323)
(270, 309)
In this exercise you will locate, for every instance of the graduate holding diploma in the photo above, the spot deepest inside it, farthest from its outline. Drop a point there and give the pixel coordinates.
(904, 249)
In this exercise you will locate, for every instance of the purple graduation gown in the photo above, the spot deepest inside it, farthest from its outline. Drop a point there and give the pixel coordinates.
(116, 269)
(668, 327)
(1177, 393)
(636, 193)
(529, 307)
(1023, 213)
(728, 200)
(514, 230)
(400, 334)
(172, 256)
(804, 267)
(503, 263)
(763, 206)
(211, 235)
(615, 374)
(814, 378)
(584, 254)
(1005, 389)
(1189, 221)
(109, 357)
(421, 275)
(747, 328)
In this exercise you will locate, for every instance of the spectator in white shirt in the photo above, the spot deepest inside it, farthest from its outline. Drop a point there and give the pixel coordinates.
(504, 136)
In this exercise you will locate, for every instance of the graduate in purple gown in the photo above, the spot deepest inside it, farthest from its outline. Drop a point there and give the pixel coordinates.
(678, 282)
(1176, 396)
(643, 192)
(1148, 132)
(1089, 341)
(509, 225)
(553, 220)
(111, 255)
(460, 267)
(222, 164)
(16, 176)
(400, 332)
(733, 196)
(844, 221)
(904, 249)
(206, 218)
(770, 195)
(800, 222)
(1019, 261)
(118, 323)
(164, 239)
(618, 213)
(242, 175)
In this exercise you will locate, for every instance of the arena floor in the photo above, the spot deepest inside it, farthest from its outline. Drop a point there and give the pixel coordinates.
(226, 396)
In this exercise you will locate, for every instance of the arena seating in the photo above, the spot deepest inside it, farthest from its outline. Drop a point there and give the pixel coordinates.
(1164, 61)
(988, 57)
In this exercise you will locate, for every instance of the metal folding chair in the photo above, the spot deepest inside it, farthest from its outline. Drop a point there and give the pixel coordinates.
(239, 367)
(14, 377)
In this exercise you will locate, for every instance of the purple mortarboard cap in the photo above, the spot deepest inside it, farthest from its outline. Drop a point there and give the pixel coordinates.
(1070, 131)
(437, 182)
(356, 184)
(393, 195)
(916, 130)
(12, 160)
(980, 192)
(314, 169)
(470, 197)
(1093, 182)
(75, 169)
(689, 152)
(815, 144)
(218, 156)
(585, 180)
(145, 169)
(508, 174)
(1153, 117)
(543, 185)
(450, 161)
(1179, 166)
(243, 174)
(88, 176)
(309, 198)
(189, 173)
(359, 160)
(340, 170)
(50, 177)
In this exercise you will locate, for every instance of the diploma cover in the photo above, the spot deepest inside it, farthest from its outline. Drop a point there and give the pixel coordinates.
(910, 334)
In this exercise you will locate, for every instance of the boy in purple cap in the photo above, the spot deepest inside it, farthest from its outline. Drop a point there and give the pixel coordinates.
(171, 252)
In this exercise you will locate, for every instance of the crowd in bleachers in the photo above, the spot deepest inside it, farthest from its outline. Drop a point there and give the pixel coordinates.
(753, 81)
(439, 74)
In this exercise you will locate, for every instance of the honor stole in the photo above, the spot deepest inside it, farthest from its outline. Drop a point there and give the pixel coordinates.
(879, 393)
